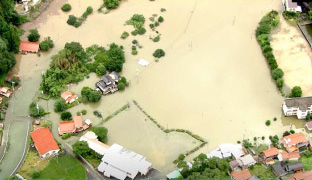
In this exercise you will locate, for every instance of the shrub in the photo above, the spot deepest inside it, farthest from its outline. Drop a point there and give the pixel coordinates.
(134, 33)
(134, 52)
(262, 137)
(156, 24)
(36, 110)
(89, 10)
(59, 105)
(123, 80)
(151, 26)
(66, 116)
(159, 53)
(137, 20)
(111, 4)
(46, 44)
(90, 94)
(181, 157)
(156, 39)
(274, 119)
(292, 131)
(296, 91)
(277, 73)
(160, 19)
(135, 42)
(33, 36)
(72, 20)
(133, 48)
(124, 35)
(84, 112)
(141, 30)
(280, 83)
(268, 123)
(66, 7)
(162, 10)
(36, 175)
(121, 86)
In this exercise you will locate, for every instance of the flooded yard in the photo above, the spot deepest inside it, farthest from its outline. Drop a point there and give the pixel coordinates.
(213, 80)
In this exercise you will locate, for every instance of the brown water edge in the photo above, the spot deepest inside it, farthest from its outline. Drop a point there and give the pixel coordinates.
(213, 81)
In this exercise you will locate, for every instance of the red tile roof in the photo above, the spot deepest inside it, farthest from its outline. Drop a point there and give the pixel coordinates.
(241, 175)
(291, 141)
(27, 46)
(44, 140)
(270, 152)
(302, 176)
(66, 127)
(78, 121)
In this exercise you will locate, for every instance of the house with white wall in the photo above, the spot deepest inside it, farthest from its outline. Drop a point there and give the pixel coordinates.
(299, 107)
(292, 6)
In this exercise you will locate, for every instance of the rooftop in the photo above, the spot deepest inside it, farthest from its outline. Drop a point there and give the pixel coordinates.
(78, 121)
(66, 127)
(301, 102)
(241, 175)
(29, 46)
(44, 140)
(270, 152)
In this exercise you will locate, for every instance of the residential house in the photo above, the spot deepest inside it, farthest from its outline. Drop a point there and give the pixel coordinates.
(227, 150)
(291, 5)
(292, 156)
(69, 97)
(93, 143)
(241, 175)
(281, 168)
(234, 165)
(302, 176)
(300, 107)
(270, 153)
(294, 141)
(246, 161)
(108, 83)
(26, 47)
(5, 91)
(44, 142)
(121, 163)
(309, 125)
(74, 126)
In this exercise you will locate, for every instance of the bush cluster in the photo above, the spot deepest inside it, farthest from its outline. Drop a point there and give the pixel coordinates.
(159, 53)
(266, 25)
(288, 15)
(90, 95)
(66, 116)
(137, 21)
(46, 44)
(76, 22)
(33, 36)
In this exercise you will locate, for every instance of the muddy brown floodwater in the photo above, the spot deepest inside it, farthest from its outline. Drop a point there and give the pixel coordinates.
(213, 80)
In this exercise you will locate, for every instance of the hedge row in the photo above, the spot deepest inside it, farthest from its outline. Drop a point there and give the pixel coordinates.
(124, 107)
(264, 29)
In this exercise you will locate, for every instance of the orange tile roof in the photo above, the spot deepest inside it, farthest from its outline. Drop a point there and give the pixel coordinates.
(241, 175)
(78, 121)
(44, 140)
(292, 140)
(66, 127)
(86, 126)
(302, 176)
(270, 152)
(29, 46)
(65, 94)
(293, 155)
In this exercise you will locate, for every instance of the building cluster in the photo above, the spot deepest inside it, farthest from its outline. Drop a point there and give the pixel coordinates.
(117, 161)
(108, 83)
(74, 126)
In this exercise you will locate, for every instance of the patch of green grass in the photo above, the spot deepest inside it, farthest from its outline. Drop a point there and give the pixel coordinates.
(65, 167)
(262, 172)
(307, 163)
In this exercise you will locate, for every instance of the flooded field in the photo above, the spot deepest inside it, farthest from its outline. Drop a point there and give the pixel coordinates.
(213, 80)
(293, 55)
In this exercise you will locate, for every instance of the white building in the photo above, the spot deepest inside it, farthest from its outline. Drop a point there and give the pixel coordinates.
(300, 107)
(227, 150)
(121, 163)
(292, 6)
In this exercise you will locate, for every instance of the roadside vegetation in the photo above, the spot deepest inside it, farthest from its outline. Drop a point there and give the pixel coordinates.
(76, 22)
(264, 29)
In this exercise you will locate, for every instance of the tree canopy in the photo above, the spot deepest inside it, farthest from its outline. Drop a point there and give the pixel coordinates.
(296, 91)
(81, 148)
(111, 4)
(101, 132)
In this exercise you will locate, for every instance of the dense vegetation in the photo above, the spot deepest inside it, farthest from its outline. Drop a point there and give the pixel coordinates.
(36, 110)
(204, 168)
(9, 35)
(290, 15)
(66, 116)
(73, 63)
(101, 132)
(76, 22)
(90, 95)
(266, 25)
(66, 7)
(46, 44)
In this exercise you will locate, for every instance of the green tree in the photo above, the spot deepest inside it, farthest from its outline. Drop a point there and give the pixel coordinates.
(159, 53)
(111, 4)
(296, 91)
(46, 44)
(121, 86)
(66, 7)
(160, 19)
(36, 175)
(277, 73)
(66, 116)
(100, 70)
(89, 10)
(81, 148)
(71, 20)
(263, 29)
(33, 36)
(94, 96)
(280, 82)
(101, 132)
(59, 105)
(36, 110)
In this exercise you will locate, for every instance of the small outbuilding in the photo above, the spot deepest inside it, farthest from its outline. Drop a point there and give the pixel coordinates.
(27, 46)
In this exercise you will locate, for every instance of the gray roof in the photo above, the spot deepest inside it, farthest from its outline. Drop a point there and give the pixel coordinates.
(303, 102)
(254, 178)
(292, 4)
(278, 169)
(294, 166)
